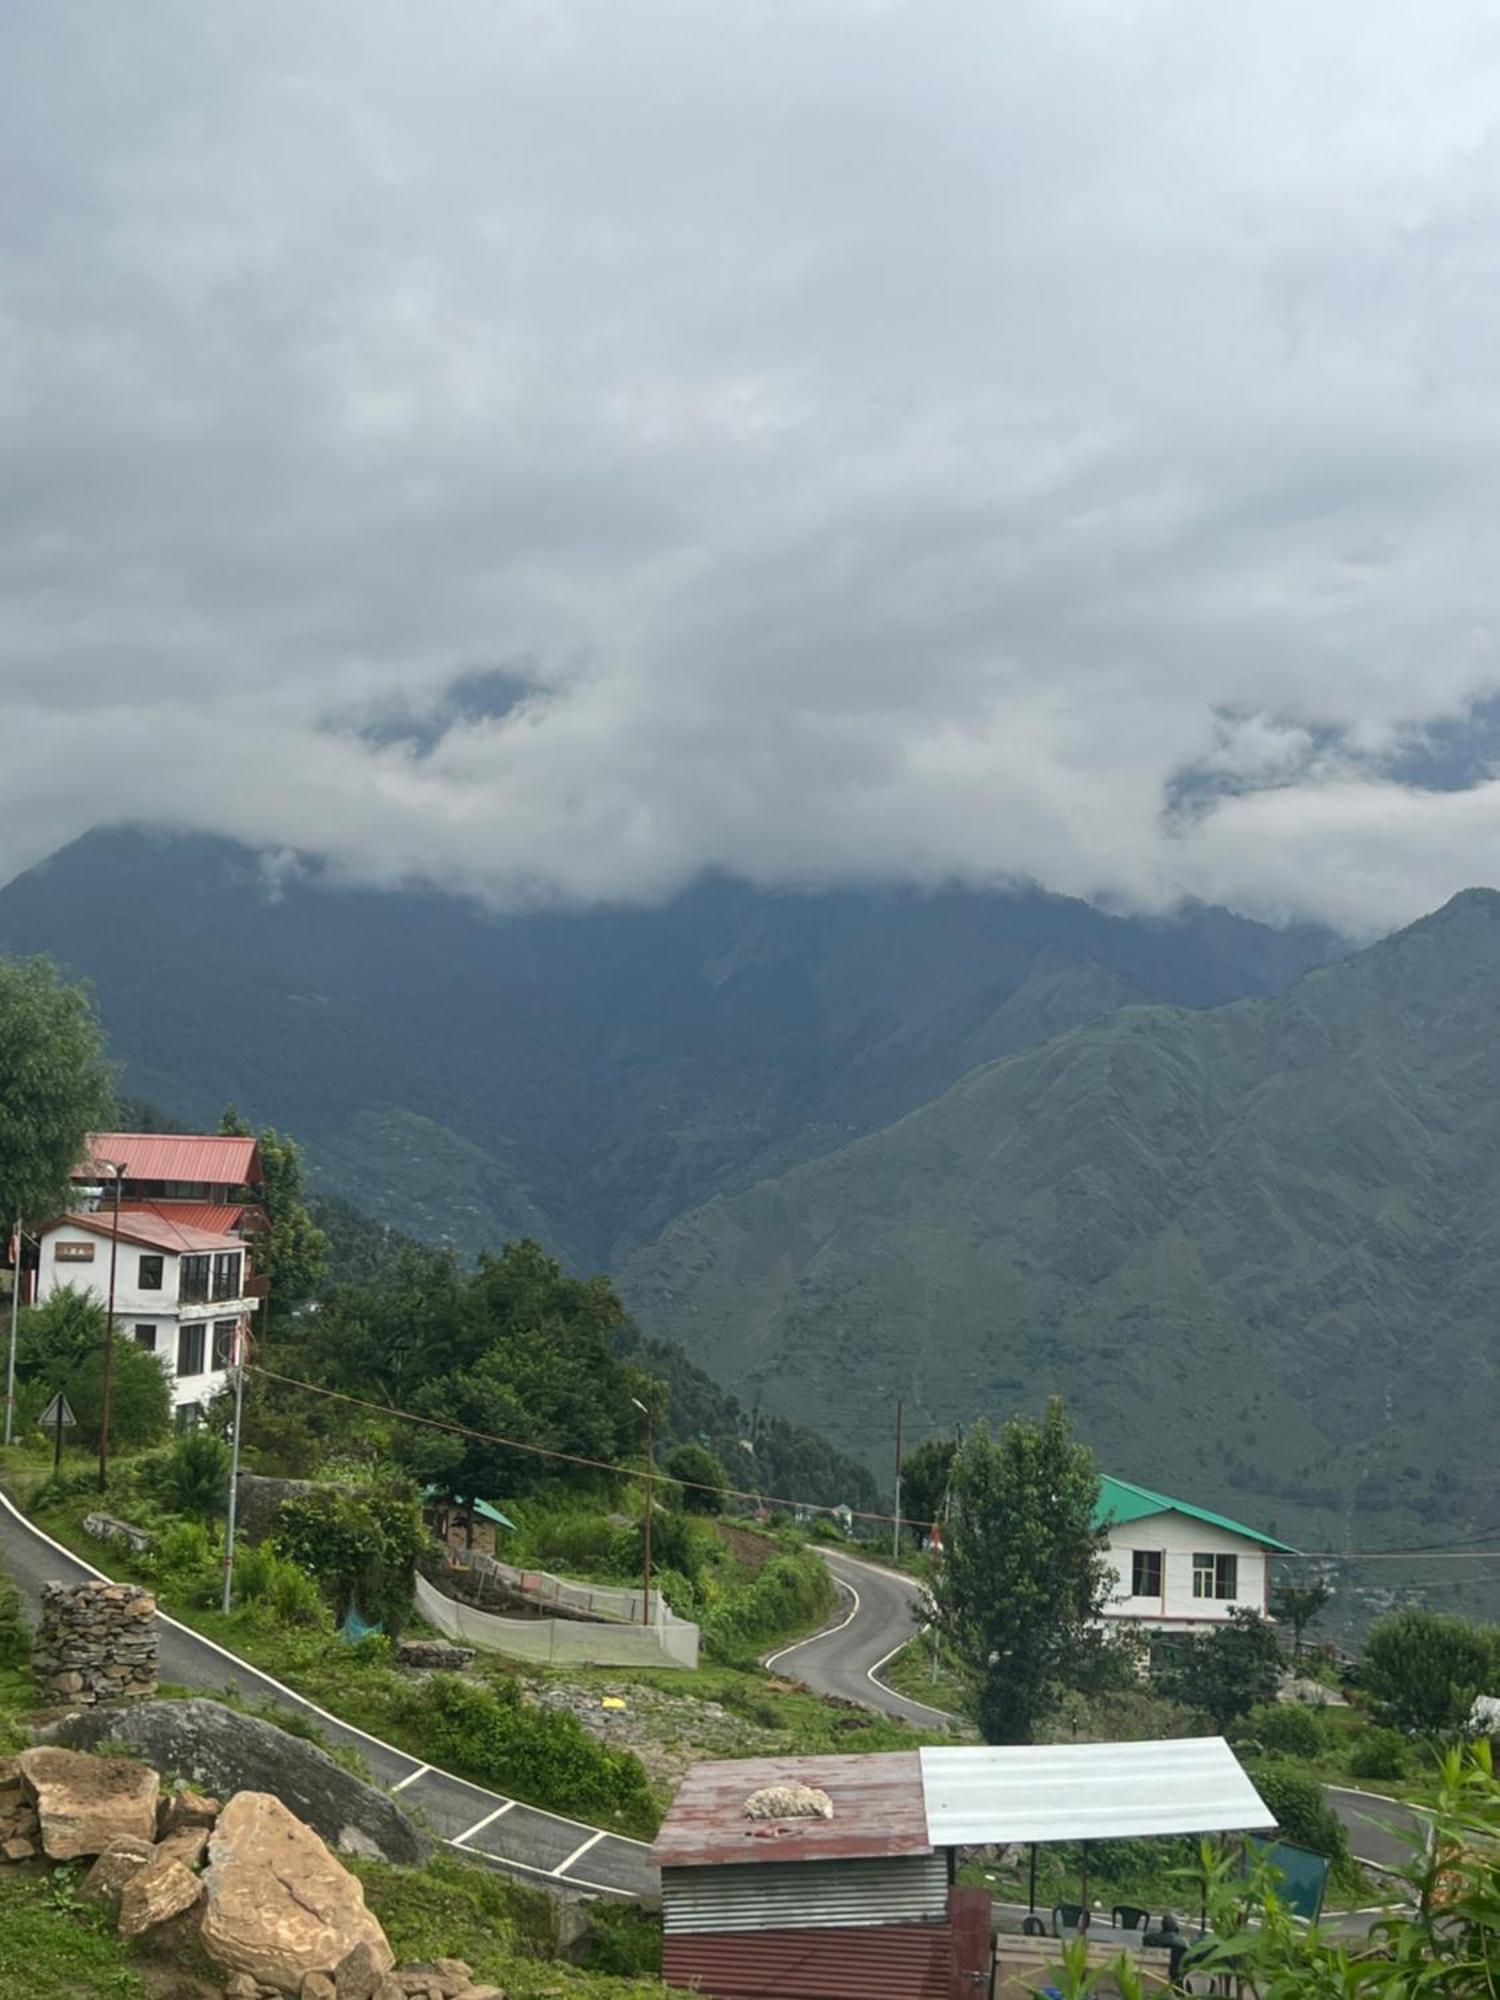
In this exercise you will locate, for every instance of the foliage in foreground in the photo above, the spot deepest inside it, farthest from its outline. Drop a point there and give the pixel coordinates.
(54, 1085)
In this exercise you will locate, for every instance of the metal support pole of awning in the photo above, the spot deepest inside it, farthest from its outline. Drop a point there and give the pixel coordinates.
(1031, 1892)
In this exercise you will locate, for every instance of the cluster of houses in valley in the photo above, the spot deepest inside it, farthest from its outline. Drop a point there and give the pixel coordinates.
(162, 1232)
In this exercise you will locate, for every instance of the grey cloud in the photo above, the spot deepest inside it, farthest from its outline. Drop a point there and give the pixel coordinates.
(897, 439)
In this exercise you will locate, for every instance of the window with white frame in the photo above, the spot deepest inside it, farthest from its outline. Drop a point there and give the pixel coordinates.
(1216, 1576)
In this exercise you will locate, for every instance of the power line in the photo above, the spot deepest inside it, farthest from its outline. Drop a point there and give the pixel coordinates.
(566, 1457)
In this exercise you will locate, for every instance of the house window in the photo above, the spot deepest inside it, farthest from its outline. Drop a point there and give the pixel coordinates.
(190, 1348)
(75, 1253)
(1216, 1576)
(149, 1277)
(227, 1274)
(193, 1281)
(145, 1336)
(1145, 1573)
(189, 1415)
(224, 1342)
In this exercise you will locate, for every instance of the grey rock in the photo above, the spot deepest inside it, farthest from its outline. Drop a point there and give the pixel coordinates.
(221, 1751)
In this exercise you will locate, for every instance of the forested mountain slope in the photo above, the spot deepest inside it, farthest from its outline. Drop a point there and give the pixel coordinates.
(581, 1075)
(1258, 1248)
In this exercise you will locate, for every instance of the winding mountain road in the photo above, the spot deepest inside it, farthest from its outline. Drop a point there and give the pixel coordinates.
(881, 1613)
(543, 1847)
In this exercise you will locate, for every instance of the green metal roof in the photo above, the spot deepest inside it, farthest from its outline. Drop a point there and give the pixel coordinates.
(1121, 1500)
(481, 1507)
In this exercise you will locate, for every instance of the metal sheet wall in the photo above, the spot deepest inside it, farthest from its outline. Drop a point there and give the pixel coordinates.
(896, 1962)
(804, 1895)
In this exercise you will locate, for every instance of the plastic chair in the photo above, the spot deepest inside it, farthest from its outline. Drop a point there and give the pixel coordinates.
(1033, 1927)
(1068, 1919)
(1130, 1917)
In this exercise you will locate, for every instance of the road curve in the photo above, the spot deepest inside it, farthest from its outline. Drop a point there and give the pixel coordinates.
(880, 1614)
(543, 1847)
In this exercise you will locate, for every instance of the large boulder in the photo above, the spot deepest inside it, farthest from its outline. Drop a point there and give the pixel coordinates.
(153, 1895)
(222, 1751)
(85, 1804)
(278, 1905)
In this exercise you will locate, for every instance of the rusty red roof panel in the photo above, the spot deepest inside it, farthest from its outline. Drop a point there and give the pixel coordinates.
(219, 1217)
(218, 1158)
(146, 1226)
(877, 1810)
(884, 1962)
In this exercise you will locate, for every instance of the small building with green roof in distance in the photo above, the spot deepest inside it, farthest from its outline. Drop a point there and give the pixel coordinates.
(1180, 1568)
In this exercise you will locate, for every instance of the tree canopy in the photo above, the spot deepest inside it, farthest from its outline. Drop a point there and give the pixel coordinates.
(60, 1346)
(295, 1254)
(1024, 1581)
(54, 1086)
(925, 1473)
(1226, 1672)
(1424, 1668)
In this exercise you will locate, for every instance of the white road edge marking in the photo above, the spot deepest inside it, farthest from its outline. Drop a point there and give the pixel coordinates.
(872, 1675)
(827, 1631)
(411, 1777)
(480, 1824)
(301, 1700)
(578, 1853)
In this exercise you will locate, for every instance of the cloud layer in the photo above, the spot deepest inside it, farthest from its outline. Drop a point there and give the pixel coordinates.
(552, 447)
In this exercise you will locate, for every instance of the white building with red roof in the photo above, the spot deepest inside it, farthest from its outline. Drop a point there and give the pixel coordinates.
(177, 1260)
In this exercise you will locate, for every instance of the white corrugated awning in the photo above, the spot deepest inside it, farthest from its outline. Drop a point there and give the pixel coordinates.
(989, 1794)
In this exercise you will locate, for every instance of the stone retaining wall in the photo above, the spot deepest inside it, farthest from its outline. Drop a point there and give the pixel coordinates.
(95, 1643)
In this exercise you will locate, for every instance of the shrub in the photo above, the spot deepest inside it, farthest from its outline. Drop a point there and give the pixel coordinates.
(1378, 1753)
(791, 1590)
(288, 1594)
(1286, 1728)
(705, 1482)
(486, 1733)
(1302, 1814)
(362, 1548)
(185, 1564)
(15, 1633)
(1424, 1669)
(193, 1477)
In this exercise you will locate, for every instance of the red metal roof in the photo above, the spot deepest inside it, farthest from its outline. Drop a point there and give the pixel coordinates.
(217, 1158)
(877, 1810)
(884, 1962)
(220, 1217)
(148, 1227)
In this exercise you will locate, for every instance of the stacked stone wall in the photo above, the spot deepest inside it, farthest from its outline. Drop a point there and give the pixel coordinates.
(96, 1643)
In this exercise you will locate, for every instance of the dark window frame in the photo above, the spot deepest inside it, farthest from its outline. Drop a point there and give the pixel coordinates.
(191, 1348)
(227, 1266)
(151, 1260)
(142, 1328)
(193, 1277)
(222, 1354)
(1147, 1567)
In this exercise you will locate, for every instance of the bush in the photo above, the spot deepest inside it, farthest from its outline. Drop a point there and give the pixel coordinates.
(361, 1547)
(15, 1633)
(1378, 1753)
(1424, 1669)
(1287, 1729)
(705, 1482)
(193, 1477)
(791, 1591)
(288, 1594)
(185, 1564)
(1302, 1814)
(486, 1733)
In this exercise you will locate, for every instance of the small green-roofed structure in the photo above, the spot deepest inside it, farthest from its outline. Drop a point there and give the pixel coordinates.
(1121, 1500)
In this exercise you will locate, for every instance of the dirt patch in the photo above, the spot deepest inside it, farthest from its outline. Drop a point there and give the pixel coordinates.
(748, 1548)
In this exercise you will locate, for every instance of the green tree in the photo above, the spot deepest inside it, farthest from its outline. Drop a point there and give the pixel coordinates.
(295, 1254)
(195, 1478)
(54, 1086)
(60, 1348)
(1021, 1591)
(1424, 1669)
(1230, 1670)
(1297, 1605)
(925, 1473)
(361, 1547)
(704, 1480)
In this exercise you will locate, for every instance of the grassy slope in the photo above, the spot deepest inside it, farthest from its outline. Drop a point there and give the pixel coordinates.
(1255, 1248)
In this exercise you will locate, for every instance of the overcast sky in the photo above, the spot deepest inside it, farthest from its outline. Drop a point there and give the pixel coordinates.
(550, 446)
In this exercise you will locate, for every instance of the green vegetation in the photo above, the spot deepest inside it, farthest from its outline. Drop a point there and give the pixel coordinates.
(1298, 1605)
(54, 1086)
(60, 1346)
(702, 1478)
(361, 1549)
(51, 1943)
(295, 1254)
(1226, 1672)
(1215, 1230)
(1019, 1595)
(1423, 1670)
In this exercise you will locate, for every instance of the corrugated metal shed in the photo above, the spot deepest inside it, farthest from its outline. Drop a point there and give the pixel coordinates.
(218, 1158)
(896, 1962)
(805, 1895)
(1087, 1791)
(877, 1810)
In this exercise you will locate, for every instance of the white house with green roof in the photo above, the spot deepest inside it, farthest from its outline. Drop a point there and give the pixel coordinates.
(1178, 1568)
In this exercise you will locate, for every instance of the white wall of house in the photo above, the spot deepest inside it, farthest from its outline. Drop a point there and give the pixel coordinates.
(184, 1338)
(1177, 1539)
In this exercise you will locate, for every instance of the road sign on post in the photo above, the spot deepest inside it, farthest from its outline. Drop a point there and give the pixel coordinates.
(57, 1418)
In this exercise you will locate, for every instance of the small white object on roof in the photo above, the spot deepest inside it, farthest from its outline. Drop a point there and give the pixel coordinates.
(789, 1802)
(993, 1794)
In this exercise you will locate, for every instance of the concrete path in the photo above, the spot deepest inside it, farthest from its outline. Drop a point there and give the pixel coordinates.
(543, 1847)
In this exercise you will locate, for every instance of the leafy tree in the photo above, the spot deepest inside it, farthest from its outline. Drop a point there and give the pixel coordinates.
(1287, 1728)
(60, 1347)
(195, 1477)
(925, 1473)
(295, 1254)
(54, 1086)
(1424, 1669)
(361, 1547)
(1298, 1605)
(1021, 1593)
(1230, 1670)
(704, 1480)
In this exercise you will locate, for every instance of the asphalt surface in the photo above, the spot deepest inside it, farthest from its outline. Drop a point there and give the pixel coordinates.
(540, 1846)
(879, 1616)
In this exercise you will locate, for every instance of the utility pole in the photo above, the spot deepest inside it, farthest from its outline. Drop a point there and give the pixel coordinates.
(234, 1462)
(10, 1364)
(650, 1468)
(118, 1169)
(896, 1529)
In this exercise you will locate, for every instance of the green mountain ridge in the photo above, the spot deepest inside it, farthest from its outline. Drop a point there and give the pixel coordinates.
(1257, 1247)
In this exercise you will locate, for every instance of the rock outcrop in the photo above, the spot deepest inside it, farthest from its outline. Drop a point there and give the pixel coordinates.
(225, 1752)
(278, 1906)
(85, 1804)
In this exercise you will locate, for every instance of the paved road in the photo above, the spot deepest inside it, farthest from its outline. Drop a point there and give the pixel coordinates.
(484, 1825)
(879, 1617)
